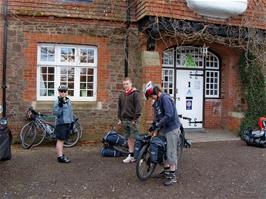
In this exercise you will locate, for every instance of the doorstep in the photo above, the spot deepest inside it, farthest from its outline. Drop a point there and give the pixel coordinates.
(208, 135)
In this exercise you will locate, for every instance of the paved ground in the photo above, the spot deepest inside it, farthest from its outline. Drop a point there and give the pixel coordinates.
(220, 169)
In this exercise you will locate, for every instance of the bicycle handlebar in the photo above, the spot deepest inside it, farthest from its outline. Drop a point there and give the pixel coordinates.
(185, 118)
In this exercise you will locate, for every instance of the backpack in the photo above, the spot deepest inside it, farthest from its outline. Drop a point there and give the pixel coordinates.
(109, 140)
(5, 143)
(140, 141)
(157, 149)
(113, 138)
(255, 138)
(110, 152)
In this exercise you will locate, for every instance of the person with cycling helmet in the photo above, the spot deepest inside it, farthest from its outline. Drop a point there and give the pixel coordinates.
(166, 123)
(129, 111)
(64, 121)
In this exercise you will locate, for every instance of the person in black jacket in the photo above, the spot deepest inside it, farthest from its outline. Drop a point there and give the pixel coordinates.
(167, 123)
(129, 111)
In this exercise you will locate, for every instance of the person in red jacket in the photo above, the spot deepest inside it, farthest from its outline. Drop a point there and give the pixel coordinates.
(129, 112)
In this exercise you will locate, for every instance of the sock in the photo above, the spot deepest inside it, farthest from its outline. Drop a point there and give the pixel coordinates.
(166, 168)
(131, 154)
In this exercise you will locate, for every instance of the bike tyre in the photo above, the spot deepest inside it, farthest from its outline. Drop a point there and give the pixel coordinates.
(40, 135)
(28, 131)
(121, 149)
(144, 159)
(76, 136)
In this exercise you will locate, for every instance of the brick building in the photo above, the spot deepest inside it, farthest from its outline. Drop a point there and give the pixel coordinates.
(92, 45)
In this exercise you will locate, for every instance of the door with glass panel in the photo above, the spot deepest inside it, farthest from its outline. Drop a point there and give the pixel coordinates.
(190, 75)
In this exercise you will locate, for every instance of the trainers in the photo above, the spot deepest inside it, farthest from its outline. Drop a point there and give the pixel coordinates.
(163, 174)
(63, 159)
(129, 159)
(170, 180)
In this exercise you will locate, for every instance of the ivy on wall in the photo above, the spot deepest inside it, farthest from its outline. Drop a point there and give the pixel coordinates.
(254, 87)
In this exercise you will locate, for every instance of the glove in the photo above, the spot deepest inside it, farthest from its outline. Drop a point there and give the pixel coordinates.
(154, 127)
(71, 126)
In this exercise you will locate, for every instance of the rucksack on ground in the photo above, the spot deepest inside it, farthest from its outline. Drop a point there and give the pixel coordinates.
(109, 140)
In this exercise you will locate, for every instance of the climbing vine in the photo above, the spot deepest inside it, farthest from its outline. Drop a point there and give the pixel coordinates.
(253, 83)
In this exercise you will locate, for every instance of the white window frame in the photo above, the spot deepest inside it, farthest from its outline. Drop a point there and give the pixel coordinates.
(213, 59)
(77, 65)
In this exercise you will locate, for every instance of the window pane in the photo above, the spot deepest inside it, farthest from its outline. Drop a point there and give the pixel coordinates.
(68, 55)
(168, 81)
(47, 83)
(212, 83)
(68, 78)
(86, 83)
(86, 55)
(47, 53)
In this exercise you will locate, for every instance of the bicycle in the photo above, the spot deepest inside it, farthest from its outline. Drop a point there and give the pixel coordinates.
(144, 166)
(34, 132)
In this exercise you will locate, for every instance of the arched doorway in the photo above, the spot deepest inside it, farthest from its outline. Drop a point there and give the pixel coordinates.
(190, 76)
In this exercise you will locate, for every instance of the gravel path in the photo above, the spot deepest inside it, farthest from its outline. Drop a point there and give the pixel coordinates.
(226, 169)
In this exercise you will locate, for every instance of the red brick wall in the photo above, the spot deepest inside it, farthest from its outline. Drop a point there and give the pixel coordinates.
(99, 9)
(24, 35)
(253, 17)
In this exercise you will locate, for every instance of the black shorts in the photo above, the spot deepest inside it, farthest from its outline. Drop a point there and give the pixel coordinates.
(62, 131)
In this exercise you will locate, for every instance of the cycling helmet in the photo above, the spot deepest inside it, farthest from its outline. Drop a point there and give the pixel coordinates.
(62, 88)
(149, 89)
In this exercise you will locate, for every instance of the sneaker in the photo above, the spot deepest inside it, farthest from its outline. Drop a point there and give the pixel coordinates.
(129, 159)
(163, 174)
(63, 159)
(170, 180)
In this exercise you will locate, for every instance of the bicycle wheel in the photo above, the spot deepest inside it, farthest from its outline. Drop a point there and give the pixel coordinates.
(73, 137)
(144, 166)
(28, 135)
(77, 124)
(122, 149)
(40, 135)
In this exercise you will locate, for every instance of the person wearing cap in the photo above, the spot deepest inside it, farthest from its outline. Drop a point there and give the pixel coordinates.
(166, 123)
(129, 112)
(64, 121)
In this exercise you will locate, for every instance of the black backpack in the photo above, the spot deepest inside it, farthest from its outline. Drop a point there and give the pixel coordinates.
(5, 140)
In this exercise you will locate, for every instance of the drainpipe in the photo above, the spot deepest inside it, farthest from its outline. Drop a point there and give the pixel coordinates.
(5, 12)
(127, 35)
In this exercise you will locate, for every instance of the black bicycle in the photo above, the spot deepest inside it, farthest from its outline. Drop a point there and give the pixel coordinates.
(144, 166)
(40, 127)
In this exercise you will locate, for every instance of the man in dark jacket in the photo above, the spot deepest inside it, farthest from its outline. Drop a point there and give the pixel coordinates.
(129, 111)
(167, 123)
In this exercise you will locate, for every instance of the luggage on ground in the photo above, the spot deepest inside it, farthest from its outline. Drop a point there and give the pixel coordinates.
(5, 140)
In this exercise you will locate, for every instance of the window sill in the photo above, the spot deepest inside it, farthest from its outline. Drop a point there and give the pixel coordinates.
(43, 106)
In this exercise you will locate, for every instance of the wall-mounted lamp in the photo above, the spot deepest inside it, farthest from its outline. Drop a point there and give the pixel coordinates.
(204, 50)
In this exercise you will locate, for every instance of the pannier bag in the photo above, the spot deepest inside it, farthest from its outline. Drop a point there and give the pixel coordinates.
(113, 138)
(157, 149)
(138, 145)
(255, 138)
(5, 140)
(110, 152)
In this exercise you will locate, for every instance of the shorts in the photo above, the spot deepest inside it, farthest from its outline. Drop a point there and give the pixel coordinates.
(131, 130)
(62, 131)
(172, 138)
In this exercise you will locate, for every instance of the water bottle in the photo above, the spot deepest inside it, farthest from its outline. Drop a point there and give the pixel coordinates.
(49, 129)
